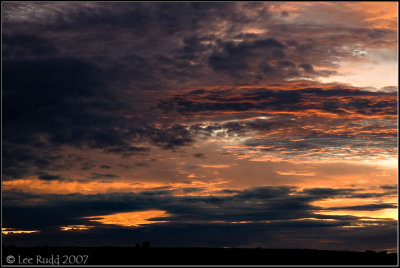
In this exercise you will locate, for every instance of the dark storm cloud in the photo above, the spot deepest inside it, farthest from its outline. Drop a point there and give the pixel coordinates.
(144, 17)
(75, 74)
(54, 102)
(66, 101)
(55, 93)
(56, 97)
(285, 209)
(235, 57)
(258, 60)
(27, 46)
(169, 45)
(75, 101)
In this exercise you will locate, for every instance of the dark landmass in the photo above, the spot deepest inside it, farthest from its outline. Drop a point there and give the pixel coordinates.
(190, 256)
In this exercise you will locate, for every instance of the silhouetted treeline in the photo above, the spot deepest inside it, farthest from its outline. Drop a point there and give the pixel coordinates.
(144, 254)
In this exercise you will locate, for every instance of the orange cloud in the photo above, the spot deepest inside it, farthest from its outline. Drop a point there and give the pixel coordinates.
(75, 227)
(216, 166)
(129, 219)
(378, 14)
(295, 173)
(37, 186)
(8, 231)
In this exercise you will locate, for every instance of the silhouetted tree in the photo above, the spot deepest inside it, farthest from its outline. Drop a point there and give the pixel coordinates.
(137, 245)
(146, 244)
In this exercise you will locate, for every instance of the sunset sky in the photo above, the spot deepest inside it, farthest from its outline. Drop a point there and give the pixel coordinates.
(242, 124)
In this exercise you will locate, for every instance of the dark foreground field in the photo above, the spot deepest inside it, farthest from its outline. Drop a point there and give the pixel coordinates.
(187, 256)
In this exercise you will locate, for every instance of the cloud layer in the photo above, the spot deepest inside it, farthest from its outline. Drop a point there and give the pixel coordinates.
(268, 211)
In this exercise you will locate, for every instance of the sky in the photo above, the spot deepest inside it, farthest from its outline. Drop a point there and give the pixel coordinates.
(233, 124)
